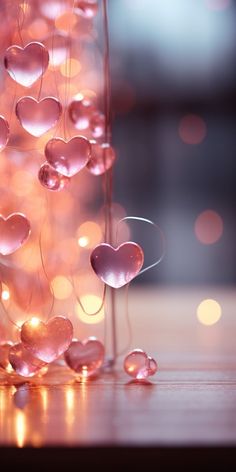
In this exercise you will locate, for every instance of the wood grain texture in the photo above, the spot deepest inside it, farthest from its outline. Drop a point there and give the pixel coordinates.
(190, 402)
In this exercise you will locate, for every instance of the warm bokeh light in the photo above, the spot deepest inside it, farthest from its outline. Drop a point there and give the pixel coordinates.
(208, 227)
(61, 287)
(209, 312)
(66, 22)
(89, 234)
(38, 28)
(20, 428)
(91, 304)
(5, 292)
(34, 321)
(192, 129)
(70, 68)
(83, 241)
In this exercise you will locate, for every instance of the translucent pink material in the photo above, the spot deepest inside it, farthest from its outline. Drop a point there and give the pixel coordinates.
(4, 355)
(37, 117)
(14, 231)
(26, 65)
(139, 365)
(117, 266)
(97, 125)
(87, 8)
(58, 48)
(51, 179)
(4, 132)
(23, 362)
(102, 158)
(47, 341)
(80, 112)
(68, 157)
(86, 357)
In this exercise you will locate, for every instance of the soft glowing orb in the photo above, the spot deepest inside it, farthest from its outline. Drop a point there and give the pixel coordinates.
(5, 292)
(209, 312)
(208, 227)
(70, 68)
(192, 129)
(61, 287)
(89, 234)
(91, 304)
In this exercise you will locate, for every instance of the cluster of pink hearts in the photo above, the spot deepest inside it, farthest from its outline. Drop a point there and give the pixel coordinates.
(64, 158)
(43, 343)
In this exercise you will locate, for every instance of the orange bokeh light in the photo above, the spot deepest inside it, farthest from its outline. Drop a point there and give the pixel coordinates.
(70, 68)
(89, 234)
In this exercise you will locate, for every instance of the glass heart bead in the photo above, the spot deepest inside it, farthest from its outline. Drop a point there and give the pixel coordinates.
(51, 179)
(102, 158)
(86, 357)
(139, 365)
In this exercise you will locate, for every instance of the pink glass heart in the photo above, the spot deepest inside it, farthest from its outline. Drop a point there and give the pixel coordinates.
(80, 112)
(87, 8)
(14, 231)
(23, 362)
(97, 124)
(37, 117)
(51, 179)
(86, 357)
(47, 341)
(139, 365)
(102, 158)
(4, 355)
(68, 157)
(26, 65)
(4, 132)
(117, 266)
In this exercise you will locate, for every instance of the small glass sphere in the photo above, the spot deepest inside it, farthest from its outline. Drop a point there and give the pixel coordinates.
(51, 179)
(102, 158)
(139, 365)
(80, 112)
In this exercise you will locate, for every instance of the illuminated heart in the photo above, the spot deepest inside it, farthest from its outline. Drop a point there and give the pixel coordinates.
(139, 365)
(26, 65)
(68, 157)
(86, 357)
(23, 362)
(117, 266)
(14, 231)
(4, 355)
(37, 117)
(47, 341)
(4, 132)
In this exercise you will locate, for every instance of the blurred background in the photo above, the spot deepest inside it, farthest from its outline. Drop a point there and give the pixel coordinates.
(173, 80)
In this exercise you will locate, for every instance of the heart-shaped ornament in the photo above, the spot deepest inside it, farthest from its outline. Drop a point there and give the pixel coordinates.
(47, 341)
(102, 158)
(68, 157)
(4, 132)
(139, 365)
(26, 65)
(38, 116)
(23, 362)
(51, 179)
(14, 231)
(117, 266)
(86, 357)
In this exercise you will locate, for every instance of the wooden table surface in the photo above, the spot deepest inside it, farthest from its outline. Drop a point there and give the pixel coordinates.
(191, 401)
